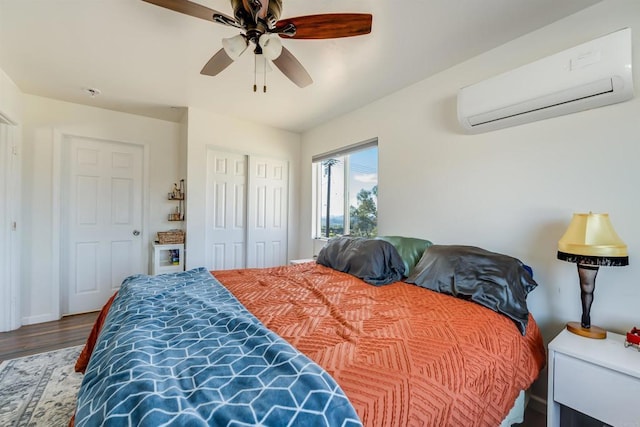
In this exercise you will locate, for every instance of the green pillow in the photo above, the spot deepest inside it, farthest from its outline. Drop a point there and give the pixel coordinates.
(409, 248)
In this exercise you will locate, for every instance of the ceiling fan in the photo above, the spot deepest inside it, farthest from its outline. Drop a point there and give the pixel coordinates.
(260, 25)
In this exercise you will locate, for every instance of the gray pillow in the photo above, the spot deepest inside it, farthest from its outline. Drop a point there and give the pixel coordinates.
(496, 281)
(375, 261)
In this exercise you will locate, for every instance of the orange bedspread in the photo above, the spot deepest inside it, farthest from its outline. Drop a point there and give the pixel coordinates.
(404, 355)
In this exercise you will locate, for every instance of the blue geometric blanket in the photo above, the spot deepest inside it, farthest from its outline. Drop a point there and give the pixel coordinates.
(179, 349)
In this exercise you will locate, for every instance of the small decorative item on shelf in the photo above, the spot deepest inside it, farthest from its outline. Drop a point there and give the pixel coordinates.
(175, 256)
(178, 192)
(633, 338)
(177, 215)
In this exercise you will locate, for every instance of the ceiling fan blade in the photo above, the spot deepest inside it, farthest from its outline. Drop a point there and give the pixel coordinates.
(292, 68)
(190, 8)
(217, 63)
(328, 26)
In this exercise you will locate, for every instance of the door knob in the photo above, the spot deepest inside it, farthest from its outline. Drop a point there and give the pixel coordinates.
(136, 233)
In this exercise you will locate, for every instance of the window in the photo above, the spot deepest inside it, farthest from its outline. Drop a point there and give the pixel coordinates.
(346, 192)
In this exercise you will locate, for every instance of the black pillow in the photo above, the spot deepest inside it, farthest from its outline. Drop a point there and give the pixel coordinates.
(496, 281)
(377, 262)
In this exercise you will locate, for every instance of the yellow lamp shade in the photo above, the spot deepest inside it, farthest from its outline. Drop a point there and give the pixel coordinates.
(592, 235)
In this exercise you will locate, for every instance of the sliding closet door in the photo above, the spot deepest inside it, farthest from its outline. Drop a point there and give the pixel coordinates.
(225, 210)
(246, 211)
(267, 212)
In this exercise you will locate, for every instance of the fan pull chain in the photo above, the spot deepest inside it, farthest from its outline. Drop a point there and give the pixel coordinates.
(255, 73)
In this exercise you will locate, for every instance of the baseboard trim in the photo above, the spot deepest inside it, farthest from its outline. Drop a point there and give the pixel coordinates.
(41, 318)
(538, 404)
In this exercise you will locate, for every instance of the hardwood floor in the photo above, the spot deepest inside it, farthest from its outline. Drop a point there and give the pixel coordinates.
(31, 339)
(533, 418)
(74, 330)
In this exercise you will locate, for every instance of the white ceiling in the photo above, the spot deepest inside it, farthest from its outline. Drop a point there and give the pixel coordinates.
(147, 60)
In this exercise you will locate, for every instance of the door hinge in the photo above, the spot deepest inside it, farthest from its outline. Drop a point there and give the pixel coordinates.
(14, 226)
(14, 150)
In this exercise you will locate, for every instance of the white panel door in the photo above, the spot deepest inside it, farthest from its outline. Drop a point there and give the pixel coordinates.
(267, 212)
(5, 229)
(9, 239)
(225, 203)
(102, 211)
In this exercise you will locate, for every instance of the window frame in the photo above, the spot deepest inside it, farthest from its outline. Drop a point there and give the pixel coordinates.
(317, 171)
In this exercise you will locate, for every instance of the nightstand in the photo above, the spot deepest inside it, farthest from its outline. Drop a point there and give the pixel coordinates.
(167, 258)
(598, 378)
(300, 261)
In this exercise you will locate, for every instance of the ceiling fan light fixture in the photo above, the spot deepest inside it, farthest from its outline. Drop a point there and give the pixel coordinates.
(271, 46)
(235, 46)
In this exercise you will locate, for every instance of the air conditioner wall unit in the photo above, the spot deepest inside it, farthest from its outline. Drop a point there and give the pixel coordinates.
(590, 75)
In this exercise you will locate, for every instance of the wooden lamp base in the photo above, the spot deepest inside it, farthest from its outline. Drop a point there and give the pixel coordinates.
(592, 332)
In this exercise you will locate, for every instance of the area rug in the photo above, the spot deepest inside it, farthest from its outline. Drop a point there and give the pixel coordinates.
(39, 390)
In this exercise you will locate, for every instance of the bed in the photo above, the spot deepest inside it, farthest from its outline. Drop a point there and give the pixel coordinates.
(374, 351)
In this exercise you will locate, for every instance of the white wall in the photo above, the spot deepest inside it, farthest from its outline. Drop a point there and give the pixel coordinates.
(10, 99)
(45, 120)
(206, 129)
(513, 190)
(169, 146)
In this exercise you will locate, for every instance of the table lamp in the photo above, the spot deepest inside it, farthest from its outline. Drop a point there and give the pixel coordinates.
(590, 242)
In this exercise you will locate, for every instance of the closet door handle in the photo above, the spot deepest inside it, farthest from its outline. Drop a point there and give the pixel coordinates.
(136, 233)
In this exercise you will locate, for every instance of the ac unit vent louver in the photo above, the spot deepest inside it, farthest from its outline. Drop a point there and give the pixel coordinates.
(590, 75)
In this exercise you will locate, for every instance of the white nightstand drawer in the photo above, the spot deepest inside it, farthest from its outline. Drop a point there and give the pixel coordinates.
(607, 395)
